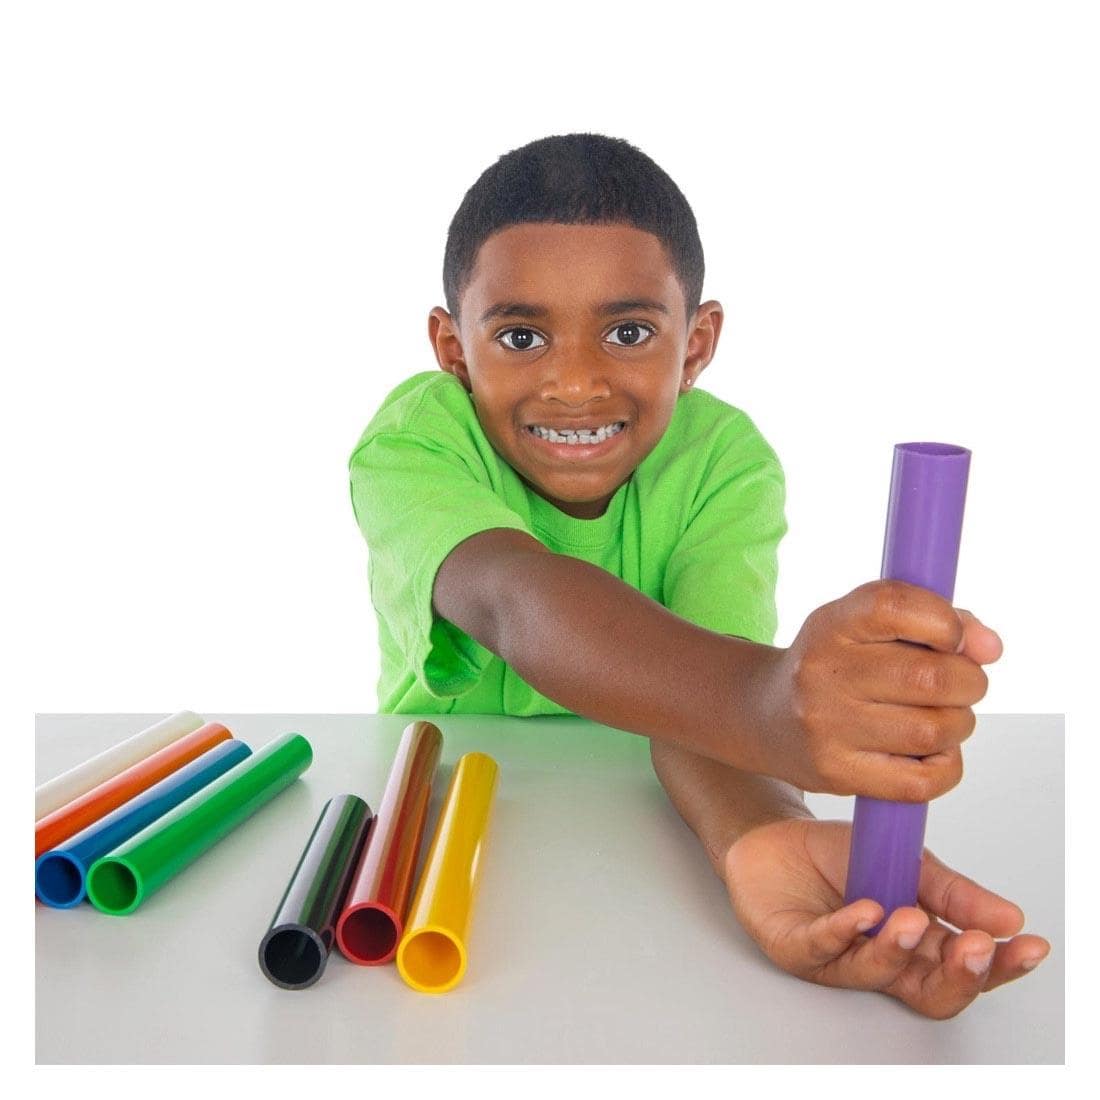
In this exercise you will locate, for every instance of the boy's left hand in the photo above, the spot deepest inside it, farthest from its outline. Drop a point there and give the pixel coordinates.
(786, 882)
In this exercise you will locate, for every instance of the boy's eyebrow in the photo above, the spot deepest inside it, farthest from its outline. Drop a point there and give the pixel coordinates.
(627, 305)
(513, 309)
(605, 309)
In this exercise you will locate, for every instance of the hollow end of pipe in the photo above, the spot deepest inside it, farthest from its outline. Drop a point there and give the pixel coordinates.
(114, 887)
(293, 956)
(58, 880)
(368, 934)
(431, 960)
(934, 450)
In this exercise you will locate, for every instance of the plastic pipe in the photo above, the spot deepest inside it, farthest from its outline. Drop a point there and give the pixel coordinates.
(69, 819)
(76, 781)
(432, 955)
(60, 873)
(119, 882)
(370, 926)
(923, 532)
(296, 946)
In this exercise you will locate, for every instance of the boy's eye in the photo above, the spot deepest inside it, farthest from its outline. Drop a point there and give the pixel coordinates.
(522, 339)
(631, 334)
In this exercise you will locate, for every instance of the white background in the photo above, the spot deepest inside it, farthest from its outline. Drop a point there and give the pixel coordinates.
(230, 231)
(223, 229)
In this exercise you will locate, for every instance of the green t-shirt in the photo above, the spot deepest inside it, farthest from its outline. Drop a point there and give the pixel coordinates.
(696, 527)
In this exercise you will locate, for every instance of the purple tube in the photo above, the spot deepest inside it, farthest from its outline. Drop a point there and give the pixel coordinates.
(923, 532)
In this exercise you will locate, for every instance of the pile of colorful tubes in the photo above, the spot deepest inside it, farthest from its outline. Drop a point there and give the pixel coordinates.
(119, 826)
(353, 882)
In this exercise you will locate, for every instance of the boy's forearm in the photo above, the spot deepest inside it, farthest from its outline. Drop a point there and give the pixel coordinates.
(721, 803)
(605, 651)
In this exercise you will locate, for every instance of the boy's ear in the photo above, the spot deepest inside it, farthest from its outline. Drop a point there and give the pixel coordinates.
(703, 334)
(443, 333)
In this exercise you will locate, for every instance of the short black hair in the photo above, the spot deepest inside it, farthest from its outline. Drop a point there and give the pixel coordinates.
(575, 179)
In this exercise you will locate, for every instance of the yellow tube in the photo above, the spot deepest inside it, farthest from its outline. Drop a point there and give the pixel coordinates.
(432, 954)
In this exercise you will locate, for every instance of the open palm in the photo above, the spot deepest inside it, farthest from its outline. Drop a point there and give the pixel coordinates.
(786, 882)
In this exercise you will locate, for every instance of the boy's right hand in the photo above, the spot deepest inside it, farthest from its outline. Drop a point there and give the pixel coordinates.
(786, 882)
(874, 696)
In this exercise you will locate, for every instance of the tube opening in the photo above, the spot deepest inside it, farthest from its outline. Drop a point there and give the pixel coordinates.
(113, 887)
(369, 935)
(58, 880)
(292, 958)
(943, 450)
(431, 961)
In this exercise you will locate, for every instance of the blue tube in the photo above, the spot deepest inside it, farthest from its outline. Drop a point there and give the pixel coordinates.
(59, 874)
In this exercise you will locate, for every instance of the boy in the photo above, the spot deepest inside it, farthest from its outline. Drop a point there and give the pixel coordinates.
(561, 523)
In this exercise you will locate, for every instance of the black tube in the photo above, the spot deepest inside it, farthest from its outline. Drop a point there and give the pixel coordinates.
(296, 947)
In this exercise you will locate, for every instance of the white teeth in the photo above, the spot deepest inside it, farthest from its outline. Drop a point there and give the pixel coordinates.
(584, 435)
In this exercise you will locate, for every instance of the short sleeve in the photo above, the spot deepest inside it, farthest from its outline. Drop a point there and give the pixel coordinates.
(415, 500)
(722, 573)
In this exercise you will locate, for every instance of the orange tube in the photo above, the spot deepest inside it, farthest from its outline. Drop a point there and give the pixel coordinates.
(68, 820)
(432, 954)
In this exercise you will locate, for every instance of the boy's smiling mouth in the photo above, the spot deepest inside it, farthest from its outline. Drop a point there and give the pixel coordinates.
(576, 440)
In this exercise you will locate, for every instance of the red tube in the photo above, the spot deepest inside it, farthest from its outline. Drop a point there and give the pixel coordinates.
(373, 918)
(68, 820)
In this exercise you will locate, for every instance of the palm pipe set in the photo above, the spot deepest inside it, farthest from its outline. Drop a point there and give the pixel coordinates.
(120, 826)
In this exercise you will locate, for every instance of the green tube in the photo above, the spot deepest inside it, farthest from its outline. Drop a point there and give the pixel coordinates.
(120, 881)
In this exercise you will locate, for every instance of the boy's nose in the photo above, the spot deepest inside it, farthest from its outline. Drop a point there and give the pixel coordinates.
(575, 383)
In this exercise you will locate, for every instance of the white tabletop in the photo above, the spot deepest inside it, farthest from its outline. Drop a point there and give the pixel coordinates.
(600, 934)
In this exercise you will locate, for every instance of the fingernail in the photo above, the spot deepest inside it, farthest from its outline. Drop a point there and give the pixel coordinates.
(978, 963)
(909, 940)
(864, 924)
(1031, 964)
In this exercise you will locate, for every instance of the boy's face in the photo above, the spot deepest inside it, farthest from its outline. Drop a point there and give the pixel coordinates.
(574, 332)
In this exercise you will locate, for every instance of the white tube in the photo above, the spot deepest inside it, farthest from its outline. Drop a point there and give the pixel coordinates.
(81, 779)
